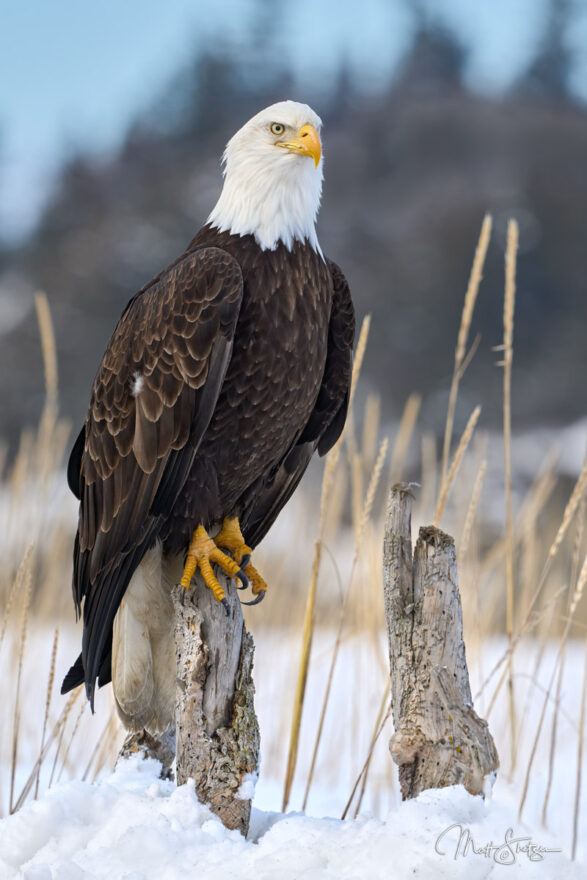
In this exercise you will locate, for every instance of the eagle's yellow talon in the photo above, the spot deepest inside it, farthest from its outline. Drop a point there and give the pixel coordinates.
(258, 585)
(231, 538)
(201, 553)
(191, 564)
(228, 565)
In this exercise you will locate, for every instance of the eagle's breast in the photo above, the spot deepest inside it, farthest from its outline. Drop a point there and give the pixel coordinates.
(278, 358)
(273, 377)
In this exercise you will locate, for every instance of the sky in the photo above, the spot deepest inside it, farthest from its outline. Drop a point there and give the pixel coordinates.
(74, 73)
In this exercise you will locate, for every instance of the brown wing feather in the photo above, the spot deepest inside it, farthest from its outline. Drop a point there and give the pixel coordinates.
(152, 400)
(326, 420)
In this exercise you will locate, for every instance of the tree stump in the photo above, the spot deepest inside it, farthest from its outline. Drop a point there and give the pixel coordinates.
(161, 747)
(439, 739)
(217, 734)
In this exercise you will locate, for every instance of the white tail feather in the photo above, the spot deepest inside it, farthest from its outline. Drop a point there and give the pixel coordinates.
(143, 655)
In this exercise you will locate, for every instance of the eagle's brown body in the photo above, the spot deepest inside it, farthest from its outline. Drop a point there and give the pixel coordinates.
(221, 379)
(270, 386)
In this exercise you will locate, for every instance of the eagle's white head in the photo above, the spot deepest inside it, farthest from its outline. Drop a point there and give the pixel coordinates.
(273, 177)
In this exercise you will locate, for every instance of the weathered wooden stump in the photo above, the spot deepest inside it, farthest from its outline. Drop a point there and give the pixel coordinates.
(215, 740)
(161, 747)
(439, 739)
(217, 734)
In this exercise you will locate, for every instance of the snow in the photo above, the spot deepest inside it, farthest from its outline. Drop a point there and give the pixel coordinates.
(129, 824)
(132, 825)
(246, 790)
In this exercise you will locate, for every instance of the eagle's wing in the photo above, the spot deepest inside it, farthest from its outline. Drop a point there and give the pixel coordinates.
(326, 420)
(152, 400)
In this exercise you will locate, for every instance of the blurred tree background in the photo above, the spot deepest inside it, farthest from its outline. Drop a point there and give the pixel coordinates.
(415, 155)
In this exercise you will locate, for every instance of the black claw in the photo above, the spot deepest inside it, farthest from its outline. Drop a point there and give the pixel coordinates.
(259, 598)
(226, 606)
(243, 579)
(182, 595)
(245, 560)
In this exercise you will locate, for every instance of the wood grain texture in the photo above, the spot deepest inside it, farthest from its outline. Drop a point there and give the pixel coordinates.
(439, 739)
(217, 733)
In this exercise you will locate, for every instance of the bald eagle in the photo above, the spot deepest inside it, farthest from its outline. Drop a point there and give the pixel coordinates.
(224, 375)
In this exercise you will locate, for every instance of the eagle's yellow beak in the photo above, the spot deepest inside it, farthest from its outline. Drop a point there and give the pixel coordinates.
(307, 143)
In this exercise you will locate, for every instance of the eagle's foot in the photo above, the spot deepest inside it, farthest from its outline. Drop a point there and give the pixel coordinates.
(202, 552)
(258, 585)
(231, 538)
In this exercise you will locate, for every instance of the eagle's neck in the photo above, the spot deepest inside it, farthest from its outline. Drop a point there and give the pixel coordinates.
(272, 204)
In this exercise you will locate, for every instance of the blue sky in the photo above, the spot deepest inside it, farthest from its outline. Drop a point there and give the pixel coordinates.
(74, 73)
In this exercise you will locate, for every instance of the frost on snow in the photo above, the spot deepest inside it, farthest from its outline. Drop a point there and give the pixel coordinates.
(133, 825)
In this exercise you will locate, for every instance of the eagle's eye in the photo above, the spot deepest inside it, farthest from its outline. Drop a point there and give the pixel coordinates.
(277, 128)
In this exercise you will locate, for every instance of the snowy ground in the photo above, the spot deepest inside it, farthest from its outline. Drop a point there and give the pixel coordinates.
(131, 825)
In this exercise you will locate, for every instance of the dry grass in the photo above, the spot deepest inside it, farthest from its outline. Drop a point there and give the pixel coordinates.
(309, 619)
(579, 778)
(455, 464)
(361, 526)
(508, 355)
(461, 358)
(525, 579)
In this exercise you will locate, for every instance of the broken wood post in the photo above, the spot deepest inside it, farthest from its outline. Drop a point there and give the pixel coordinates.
(439, 739)
(160, 747)
(217, 734)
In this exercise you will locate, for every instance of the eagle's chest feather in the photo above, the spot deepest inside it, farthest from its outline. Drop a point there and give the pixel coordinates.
(277, 363)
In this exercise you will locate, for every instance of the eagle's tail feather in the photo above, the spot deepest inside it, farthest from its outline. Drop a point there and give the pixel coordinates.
(74, 677)
(143, 649)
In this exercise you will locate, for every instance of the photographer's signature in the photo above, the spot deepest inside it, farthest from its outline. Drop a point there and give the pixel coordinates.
(456, 840)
